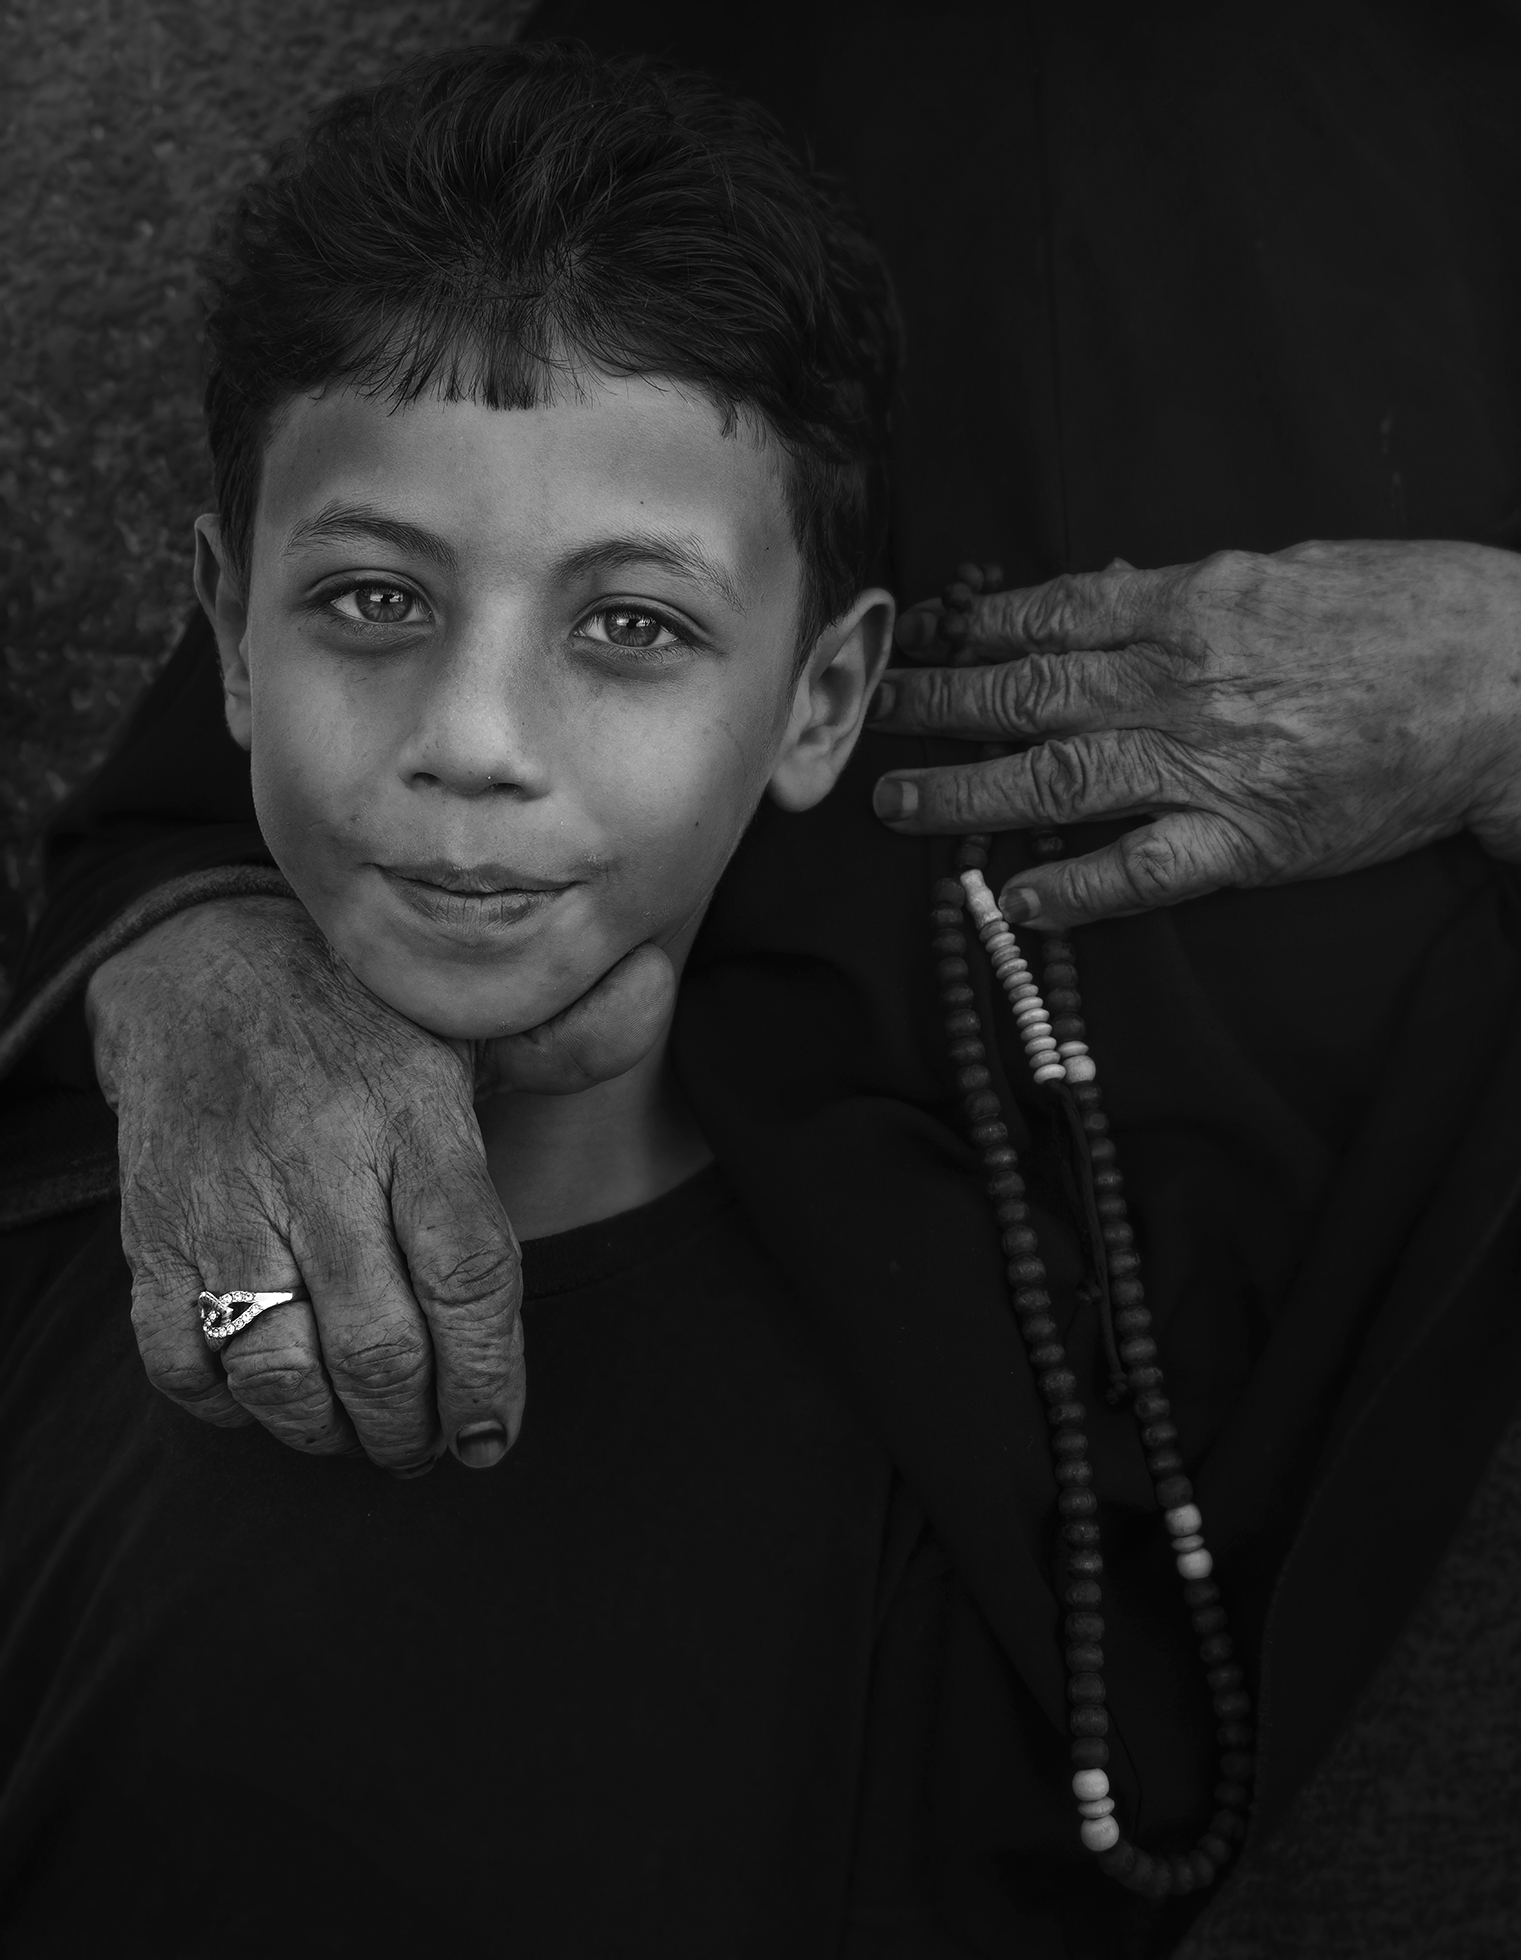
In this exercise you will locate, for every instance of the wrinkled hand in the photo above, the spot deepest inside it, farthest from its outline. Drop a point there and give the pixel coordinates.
(279, 1125)
(1275, 718)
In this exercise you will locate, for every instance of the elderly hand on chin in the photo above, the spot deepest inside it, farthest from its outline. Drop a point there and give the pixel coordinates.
(277, 1120)
(1273, 717)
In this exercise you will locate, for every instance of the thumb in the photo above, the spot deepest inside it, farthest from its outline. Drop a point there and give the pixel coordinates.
(613, 1025)
(1182, 855)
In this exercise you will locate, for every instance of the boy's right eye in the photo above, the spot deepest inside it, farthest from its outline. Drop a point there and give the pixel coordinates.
(378, 602)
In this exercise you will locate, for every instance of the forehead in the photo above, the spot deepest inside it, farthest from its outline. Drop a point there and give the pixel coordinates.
(512, 486)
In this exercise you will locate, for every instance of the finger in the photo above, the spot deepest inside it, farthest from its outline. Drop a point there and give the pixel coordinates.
(1110, 773)
(174, 1353)
(373, 1338)
(601, 1035)
(274, 1371)
(466, 1275)
(1184, 854)
(1080, 611)
(1039, 695)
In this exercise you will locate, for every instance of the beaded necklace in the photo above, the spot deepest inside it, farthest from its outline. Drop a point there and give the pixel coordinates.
(1054, 1039)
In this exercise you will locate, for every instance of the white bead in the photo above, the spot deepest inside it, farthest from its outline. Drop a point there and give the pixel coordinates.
(1051, 1072)
(1100, 1833)
(1040, 1047)
(1080, 1069)
(1102, 1807)
(1186, 1518)
(1196, 1565)
(1088, 1785)
(1194, 1542)
(1029, 1012)
(1074, 1048)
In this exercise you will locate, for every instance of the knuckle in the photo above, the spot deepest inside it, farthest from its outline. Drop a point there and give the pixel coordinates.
(483, 1279)
(381, 1367)
(1062, 777)
(1158, 864)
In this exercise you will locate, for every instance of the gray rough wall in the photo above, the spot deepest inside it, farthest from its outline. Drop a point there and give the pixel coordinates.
(124, 124)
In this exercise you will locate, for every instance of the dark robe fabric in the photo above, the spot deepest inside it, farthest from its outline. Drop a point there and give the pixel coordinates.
(1174, 281)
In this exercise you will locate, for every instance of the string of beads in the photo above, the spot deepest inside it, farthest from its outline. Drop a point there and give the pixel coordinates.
(1054, 1038)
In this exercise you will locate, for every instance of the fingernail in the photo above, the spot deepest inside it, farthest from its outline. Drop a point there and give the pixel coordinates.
(894, 799)
(1018, 904)
(883, 702)
(480, 1444)
(406, 1471)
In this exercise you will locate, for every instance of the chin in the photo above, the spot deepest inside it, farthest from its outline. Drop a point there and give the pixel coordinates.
(467, 1006)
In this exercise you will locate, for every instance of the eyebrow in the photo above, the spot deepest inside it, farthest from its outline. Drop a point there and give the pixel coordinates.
(339, 523)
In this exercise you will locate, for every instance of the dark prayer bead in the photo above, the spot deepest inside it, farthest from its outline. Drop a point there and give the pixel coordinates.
(1057, 973)
(1162, 1463)
(1156, 1433)
(1127, 1292)
(949, 893)
(1032, 1299)
(1087, 1717)
(1087, 1565)
(959, 596)
(989, 1135)
(1199, 1592)
(1220, 1648)
(1145, 1377)
(1071, 1443)
(1173, 1491)
(1058, 1385)
(1081, 1592)
(1049, 1354)
(1235, 1735)
(1182, 1867)
(1222, 1679)
(1027, 1272)
(1101, 1150)
(1108, 1181)
(1228, 1824)
(949, 971)
(1065, 1412)
(964, 1022)
(1110, 1207)
(1215, 1849)
(1005, 1183)
(1087, 1096)
(971, 575)
(1161, 1879)
(968, 1054)
(1133, 1320)
(1089, 1752)
(1139, 1348)
(974, 1076)
(949, 945)
(1085, 1626)
(1209, 1620)
(1119, 1860)
(1061, 1000)
(1232, 1796)
(1233, 1704)
(992, 577)
(1018, 1237)
(1046, 847)
(955, 629)
(958, 996)
(1152, 1407)
(1041, 1328)
(1076, 1503)
(1203, 1868)
(948, 918)
(1240, 1768)
(1067, 1027)
(1121, 1263)
(973, 854)
(1118, 1234)
(1080, 1533)
(982, 1105)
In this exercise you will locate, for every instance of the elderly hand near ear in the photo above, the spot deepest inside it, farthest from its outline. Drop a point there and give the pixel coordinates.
(1274, 718)
(279, 1124)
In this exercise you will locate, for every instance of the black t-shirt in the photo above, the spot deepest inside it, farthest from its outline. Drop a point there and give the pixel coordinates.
(610, 1698)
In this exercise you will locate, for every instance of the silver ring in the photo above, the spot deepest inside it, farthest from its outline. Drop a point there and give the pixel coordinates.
(220, 1318)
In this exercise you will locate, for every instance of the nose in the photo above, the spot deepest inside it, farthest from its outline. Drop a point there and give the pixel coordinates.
(481, 720)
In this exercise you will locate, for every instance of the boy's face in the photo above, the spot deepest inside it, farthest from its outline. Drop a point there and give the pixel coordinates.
(514, 682)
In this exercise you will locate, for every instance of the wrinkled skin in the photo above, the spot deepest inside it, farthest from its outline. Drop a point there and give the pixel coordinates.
(1277, 718)
(280, 1123)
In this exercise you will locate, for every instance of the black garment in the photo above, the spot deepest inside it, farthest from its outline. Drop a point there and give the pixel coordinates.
(608, 1699)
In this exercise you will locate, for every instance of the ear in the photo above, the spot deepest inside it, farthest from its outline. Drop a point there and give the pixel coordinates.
(829, 705)
(220, 591)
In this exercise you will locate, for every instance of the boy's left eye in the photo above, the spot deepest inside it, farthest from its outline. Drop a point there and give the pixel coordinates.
(630, 628)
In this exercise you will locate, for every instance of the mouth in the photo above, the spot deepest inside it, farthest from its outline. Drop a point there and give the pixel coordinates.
(472, 902)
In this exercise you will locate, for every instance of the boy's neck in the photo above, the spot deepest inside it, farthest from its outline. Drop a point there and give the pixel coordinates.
(562, 1161)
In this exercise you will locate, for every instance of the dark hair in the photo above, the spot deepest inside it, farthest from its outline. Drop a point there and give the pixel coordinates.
(491, 217)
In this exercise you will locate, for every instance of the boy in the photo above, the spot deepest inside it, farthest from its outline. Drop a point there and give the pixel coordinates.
(547, 405)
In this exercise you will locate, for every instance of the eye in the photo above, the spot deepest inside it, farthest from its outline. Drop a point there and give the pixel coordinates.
(631, 629)
(378, 602)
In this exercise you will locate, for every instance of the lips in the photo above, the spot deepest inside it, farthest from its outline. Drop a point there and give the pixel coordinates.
(472, 903)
